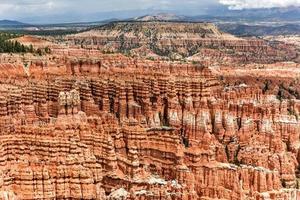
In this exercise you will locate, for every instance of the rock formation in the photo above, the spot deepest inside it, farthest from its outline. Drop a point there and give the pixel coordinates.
(80, 124)
(180, 41)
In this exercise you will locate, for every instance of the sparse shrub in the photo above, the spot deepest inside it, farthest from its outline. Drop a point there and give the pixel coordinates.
(227, 153)
(266, 87)
(280, 95)
(151, 58)
(283, 183)
(47, 50)
(195, 62)
(236, 160)
(185, 142)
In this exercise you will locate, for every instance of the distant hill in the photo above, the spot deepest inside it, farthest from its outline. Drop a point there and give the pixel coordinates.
(287, 14)
(11, 23)
(161, 17)
(260, 30)
(257, 22)
(248, 22)
(268, 14)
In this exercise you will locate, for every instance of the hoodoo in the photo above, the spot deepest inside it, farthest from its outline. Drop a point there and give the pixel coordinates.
(84, 121)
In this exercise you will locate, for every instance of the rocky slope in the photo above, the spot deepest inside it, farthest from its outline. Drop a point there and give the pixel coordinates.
(180, 41)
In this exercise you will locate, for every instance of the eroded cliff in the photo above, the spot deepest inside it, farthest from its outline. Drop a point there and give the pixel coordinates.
(181, 41)
(113, 127)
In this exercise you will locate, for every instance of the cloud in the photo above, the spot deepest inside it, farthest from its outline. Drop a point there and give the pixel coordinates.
(15, 8)
(248, 4)
(80, 10)
(51, 11)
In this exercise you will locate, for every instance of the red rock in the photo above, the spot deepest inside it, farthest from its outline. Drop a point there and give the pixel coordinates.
(96, 126)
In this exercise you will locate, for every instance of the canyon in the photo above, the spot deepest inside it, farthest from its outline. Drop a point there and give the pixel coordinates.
(98, 119)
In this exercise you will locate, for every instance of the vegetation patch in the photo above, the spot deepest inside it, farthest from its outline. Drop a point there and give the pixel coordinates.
(9, 46)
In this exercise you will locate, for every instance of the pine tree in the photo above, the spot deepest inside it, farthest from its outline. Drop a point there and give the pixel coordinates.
(9, 46)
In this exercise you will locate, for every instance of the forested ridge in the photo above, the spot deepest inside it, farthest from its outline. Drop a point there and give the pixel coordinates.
(9, 46)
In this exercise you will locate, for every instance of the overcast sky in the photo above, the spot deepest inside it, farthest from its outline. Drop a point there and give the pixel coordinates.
(244, 4)
(83, 10)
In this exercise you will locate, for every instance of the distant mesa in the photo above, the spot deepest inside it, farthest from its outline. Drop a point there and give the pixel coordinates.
(179, 41)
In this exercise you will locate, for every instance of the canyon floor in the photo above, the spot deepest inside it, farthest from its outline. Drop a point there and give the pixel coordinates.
(151, 110)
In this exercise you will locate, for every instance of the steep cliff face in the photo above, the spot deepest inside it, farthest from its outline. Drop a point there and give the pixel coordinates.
(113, 127)
(180, 41)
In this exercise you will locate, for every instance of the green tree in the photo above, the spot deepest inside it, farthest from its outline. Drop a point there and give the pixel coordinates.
(7, 45)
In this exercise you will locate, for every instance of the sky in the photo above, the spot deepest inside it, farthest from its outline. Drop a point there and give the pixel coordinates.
(42, 11)
(246, 4)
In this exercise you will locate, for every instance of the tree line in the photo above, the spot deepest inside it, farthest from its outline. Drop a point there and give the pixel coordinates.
(9, 46)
